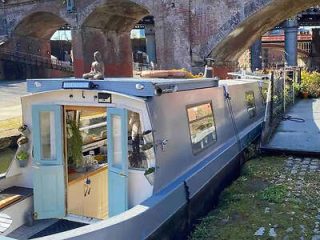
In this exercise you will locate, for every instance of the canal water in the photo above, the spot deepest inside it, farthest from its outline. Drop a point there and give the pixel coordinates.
(6, 156)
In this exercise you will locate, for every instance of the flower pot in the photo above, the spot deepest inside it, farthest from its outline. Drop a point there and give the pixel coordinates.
(147, 136)
(22, 163)
(24, 130)
(149, 154)
(23, 147)
(23, 141)
(150, 178)
(305, 94)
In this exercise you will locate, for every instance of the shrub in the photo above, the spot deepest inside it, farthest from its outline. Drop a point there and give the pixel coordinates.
(310, 84)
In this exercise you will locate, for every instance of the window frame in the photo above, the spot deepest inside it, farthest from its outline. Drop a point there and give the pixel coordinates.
(189, 106)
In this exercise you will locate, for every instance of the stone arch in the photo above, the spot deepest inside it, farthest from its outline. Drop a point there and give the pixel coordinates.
(246, 26)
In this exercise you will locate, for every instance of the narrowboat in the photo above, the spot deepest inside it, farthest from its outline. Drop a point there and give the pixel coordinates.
(125, 158)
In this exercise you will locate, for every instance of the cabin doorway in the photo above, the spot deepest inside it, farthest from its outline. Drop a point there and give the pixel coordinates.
(80, 161)
(85, 146)
(96, 161)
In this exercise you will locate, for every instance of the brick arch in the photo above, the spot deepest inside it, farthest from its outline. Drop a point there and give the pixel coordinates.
(248, 24)
(113, 15)
(38, 24)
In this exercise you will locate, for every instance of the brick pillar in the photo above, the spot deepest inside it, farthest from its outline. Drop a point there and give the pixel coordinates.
(115, 48)
(173, 35)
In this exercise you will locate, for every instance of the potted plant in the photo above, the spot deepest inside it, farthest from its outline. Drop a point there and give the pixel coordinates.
(149, 154)
(23, 143)
(75, 143)
(149, 174)
(22, 157)
(147, 136)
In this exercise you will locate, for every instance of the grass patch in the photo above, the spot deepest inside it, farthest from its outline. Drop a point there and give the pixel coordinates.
(275, 194)
(6, 157)
(256, 200)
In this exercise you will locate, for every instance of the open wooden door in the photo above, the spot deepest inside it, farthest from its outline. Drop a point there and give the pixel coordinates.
(48, 164)
(117, 123)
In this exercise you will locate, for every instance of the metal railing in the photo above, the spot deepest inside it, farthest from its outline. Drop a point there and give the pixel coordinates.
(281, 96)
(35, 60)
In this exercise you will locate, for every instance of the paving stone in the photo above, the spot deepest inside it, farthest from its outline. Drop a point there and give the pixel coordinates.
(272, 232)
(260, 231)
(290, 229)
(316, 231)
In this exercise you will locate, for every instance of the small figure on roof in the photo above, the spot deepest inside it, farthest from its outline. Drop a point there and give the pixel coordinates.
(97, 68)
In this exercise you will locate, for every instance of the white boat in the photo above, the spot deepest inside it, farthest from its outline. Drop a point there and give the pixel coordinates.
(127, 158)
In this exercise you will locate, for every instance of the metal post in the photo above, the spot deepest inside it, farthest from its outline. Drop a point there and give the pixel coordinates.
(151, 42)
(271, 99)
(284, 90)
(291, 39)
(256, 55)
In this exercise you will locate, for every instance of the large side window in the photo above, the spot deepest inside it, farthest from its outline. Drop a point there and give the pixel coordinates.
(251, 105)
(202, 126)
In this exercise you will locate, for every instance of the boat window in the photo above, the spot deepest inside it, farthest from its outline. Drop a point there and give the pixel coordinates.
(202, 126)
(251, 105)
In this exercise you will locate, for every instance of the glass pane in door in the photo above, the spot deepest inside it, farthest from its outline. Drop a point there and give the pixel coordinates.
(47, 136)
(116, 138)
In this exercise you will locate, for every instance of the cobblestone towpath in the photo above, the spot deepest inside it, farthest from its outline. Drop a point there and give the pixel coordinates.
(274, 198)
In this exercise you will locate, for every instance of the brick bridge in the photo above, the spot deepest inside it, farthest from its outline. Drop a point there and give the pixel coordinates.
(186, 31)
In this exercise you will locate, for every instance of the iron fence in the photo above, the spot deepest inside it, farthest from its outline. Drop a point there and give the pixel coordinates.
(281, 96)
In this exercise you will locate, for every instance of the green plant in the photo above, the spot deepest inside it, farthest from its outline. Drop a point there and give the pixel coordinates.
(310, 84)
(75, 143)
(149, 171)
(275, 194)
(22, 156)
